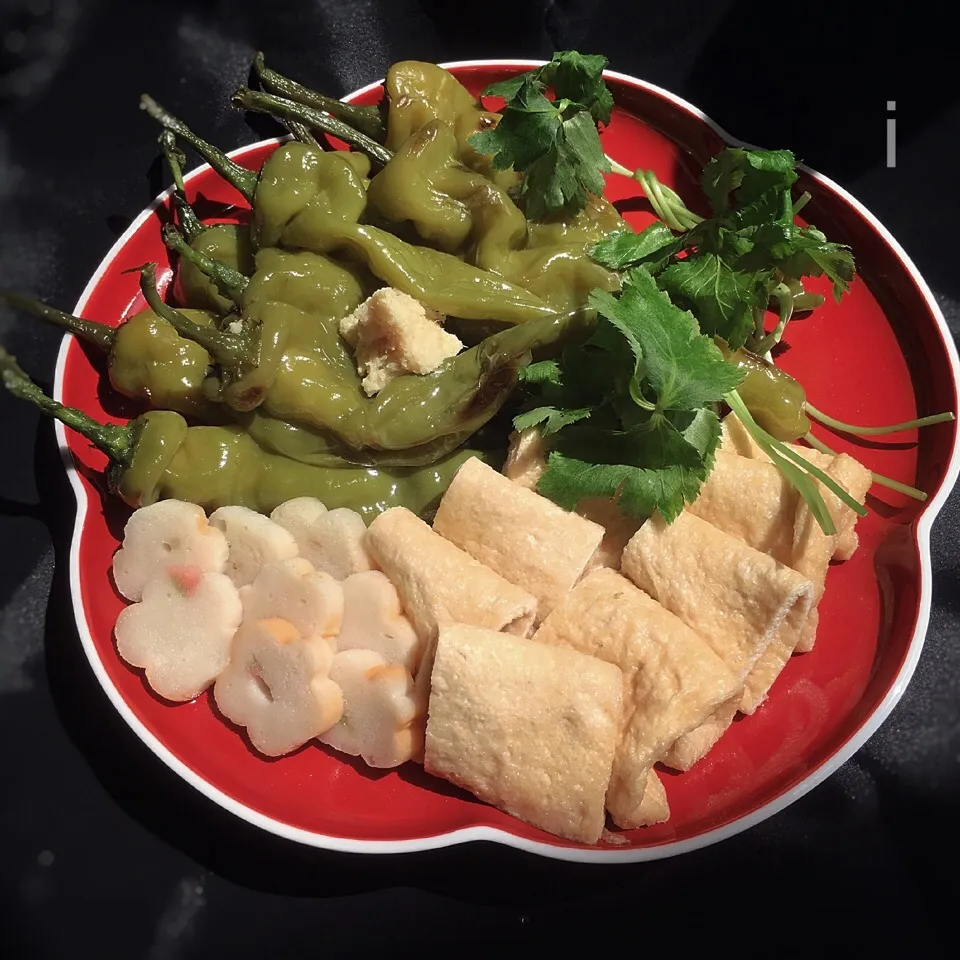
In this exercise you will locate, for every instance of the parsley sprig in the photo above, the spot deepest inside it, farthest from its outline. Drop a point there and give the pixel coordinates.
(729, 267)
(553, 143)
(630, 413)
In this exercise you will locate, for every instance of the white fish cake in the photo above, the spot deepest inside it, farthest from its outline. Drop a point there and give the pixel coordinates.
(180, 632)
(253, 541)
(373, 619)
(336, 543)
(529, 728)
(278, 687)
(169, 533)
(293, 590)
(383, 714)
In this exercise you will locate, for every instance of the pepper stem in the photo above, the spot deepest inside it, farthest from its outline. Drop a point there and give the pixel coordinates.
(365, 119)
(282, 109)
(189, 221)
(225, 348)
(98, 334)
(244, 180)
(300, 131)
(115, 441)
(230, 282)
(829, 421)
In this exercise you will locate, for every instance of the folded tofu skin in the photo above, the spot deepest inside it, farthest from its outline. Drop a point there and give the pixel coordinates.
(526, 538)
(673, 680)
(527, 727)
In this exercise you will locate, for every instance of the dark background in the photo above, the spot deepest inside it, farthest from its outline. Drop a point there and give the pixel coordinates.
(103, 852)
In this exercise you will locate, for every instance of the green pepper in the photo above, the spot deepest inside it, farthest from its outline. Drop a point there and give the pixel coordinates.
(776, 401)
(452, 207)
(419, 92)
(301, 385)
(300, 185)
(435, 278)
(228, 243)
(146, 358)
(298, 204)
(296, 181)
(158, 456)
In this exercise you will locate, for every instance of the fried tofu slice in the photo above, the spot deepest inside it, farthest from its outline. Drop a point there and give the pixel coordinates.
(673, 681)
(529, 728)
(524, 537)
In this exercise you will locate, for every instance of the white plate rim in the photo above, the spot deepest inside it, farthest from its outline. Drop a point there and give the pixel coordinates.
(599, 854)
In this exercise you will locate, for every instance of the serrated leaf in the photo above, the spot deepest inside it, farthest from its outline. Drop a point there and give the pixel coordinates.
(722, 299)
(543, 371)
(578, 77)
(684, 367)
(552, 418)
(624, 249)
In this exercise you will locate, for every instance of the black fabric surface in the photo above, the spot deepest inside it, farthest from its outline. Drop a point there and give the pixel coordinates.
(103, 851)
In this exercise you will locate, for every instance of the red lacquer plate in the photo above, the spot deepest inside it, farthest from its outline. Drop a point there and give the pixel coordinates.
(883, 356)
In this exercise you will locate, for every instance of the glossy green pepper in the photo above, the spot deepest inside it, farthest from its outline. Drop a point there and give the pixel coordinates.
(158, 457)
(227, 243)
(302, 385)
(303, 187)
(297, 181)
(146, 358)
(310, 211)
(437, 279)
(452, 207)
(419, 92)
(776, 401)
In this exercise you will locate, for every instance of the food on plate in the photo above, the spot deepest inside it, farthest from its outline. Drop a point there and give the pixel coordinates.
(672, 680)
(475, 402)
(180, 631)
(373, 619)
(277, 686)
(383, 714)
(440, 583)
(253, 541)
(527, 727)
(392, 334)
(522, 536)
(335, 543)
(164, 535)
(734, 596)
(293, 590)
(331, 540)
(654, 807)
(813, 548)
(146, 358)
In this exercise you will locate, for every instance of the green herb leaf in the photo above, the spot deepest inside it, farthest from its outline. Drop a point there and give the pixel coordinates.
(624, 249)
(722, 299)
(580, 78)
(555, 144)
(551, 418)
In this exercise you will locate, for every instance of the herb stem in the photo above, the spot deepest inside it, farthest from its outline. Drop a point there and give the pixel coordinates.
(835, 424)
(878, 478)
(225, 348)
(801, 202)
(284, 110)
